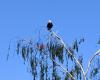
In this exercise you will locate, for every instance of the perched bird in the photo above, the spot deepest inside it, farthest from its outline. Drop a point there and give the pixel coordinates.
(49, 25)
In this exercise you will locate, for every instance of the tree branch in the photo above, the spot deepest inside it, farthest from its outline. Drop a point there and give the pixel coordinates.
(63, 68)
(55, 35)
(97, 53)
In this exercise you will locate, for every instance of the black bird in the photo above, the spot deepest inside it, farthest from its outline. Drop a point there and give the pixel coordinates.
(49, 25)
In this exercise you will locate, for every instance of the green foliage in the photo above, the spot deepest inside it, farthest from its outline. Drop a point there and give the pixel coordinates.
(69, 55)
(95, 69)
(75, 46)
(24, 52)
(94, 72)
(98, 41)
(56, 50)
(38, 55)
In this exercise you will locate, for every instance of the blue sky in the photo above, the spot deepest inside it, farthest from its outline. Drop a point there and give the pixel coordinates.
(72, 20)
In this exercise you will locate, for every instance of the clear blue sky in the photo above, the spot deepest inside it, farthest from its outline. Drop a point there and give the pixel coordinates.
(23, 18)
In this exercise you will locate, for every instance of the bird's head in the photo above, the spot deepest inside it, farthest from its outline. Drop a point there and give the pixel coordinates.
(49, 21)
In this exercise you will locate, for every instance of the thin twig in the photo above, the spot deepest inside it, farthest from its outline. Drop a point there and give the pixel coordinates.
(97, 53)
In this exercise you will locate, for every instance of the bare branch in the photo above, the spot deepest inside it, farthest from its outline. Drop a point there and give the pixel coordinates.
(97, 53)
(63, 68)
(55, 35)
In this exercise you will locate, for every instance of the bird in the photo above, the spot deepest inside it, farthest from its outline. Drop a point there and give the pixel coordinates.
(49, 25)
